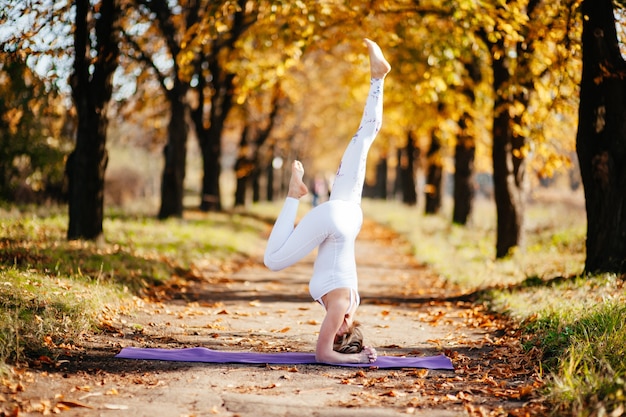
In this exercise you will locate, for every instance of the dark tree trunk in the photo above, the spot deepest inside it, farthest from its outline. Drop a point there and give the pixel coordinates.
(405, 174)
(434, 175)
(465, 151)
(509, 162)
(242, 169)
(252, 139)
(269, 171)
(601, 139)
(241, 185)
(380, 187)
(175, 151)
(508, 184)
(256, 183)
(509, 165)
(175, 155)
(246, 178)
(211, 152)
(219, 83)
(91, 91)
(221, 87)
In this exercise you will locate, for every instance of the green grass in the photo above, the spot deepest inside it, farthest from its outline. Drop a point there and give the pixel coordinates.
(52, 291)
(39, 311)
(465, 255)
(586, 355)
(577, 321)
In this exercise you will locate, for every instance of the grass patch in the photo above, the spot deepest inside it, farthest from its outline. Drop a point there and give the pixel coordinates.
(38, 311)
(586, 355)
(52, 291)
(465, 255)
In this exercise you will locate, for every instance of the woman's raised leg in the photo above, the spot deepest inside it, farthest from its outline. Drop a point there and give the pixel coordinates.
(348, 184)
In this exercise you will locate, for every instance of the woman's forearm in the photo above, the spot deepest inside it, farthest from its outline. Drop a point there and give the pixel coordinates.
(367, 355)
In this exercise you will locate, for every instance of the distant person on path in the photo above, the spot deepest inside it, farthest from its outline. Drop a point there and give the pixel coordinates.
(319, 189)
(334, 226)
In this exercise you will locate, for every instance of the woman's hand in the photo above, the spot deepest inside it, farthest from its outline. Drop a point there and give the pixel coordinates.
(369, 354)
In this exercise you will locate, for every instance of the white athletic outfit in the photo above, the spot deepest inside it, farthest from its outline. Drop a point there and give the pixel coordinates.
(334, 224)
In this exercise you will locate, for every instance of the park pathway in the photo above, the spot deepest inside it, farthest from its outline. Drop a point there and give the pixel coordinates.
(405, 310)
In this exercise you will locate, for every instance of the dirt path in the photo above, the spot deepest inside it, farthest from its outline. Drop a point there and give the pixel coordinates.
(406, 310)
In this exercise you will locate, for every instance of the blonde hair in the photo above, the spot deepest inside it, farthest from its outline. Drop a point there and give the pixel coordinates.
(351, 341)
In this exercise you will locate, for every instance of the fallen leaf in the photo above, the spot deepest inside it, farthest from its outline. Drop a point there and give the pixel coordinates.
(392, 393)
(91, 394)
(115, 406)
(72, 404)
(46, 359)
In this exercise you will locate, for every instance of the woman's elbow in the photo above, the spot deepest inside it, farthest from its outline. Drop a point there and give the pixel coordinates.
(326, 356)
(321, 358)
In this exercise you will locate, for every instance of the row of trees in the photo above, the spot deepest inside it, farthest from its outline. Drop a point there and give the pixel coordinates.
(459, 66)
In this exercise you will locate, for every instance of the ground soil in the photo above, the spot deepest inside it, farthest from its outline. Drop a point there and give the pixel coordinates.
(406, 310)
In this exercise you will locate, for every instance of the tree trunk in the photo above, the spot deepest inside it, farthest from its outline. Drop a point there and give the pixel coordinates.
(219, 83)
(242, 168)
(91, 90)
(508, 163)
(210, 138)
(434, 175)
(601, 139)
(211, 151)
(465, 151)
(175, 151)
(256, 183)
(241, 186)
(405, 174)
(380, 186)
(252, 140)
(175, 155)
(269, 173)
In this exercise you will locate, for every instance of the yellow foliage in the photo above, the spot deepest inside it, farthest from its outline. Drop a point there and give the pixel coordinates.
(13, 117)
(314, 50)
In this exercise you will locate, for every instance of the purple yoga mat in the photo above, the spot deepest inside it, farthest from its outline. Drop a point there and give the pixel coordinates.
(200, 354)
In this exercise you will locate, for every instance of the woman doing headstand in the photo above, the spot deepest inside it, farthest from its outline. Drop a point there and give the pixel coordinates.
(333, 227)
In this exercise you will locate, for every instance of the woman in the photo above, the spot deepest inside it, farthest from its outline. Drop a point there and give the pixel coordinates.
(334, 226)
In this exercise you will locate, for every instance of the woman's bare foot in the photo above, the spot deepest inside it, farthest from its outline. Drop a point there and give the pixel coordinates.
(297, 188)
(379, 67)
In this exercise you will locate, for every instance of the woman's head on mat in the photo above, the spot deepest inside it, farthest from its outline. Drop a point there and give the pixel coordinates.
(350, 340)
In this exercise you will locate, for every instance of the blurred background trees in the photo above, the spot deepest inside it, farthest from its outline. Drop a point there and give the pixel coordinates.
(211, 100)
(35, 133)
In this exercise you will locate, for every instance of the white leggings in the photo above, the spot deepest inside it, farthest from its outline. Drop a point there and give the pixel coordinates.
(334, 225)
